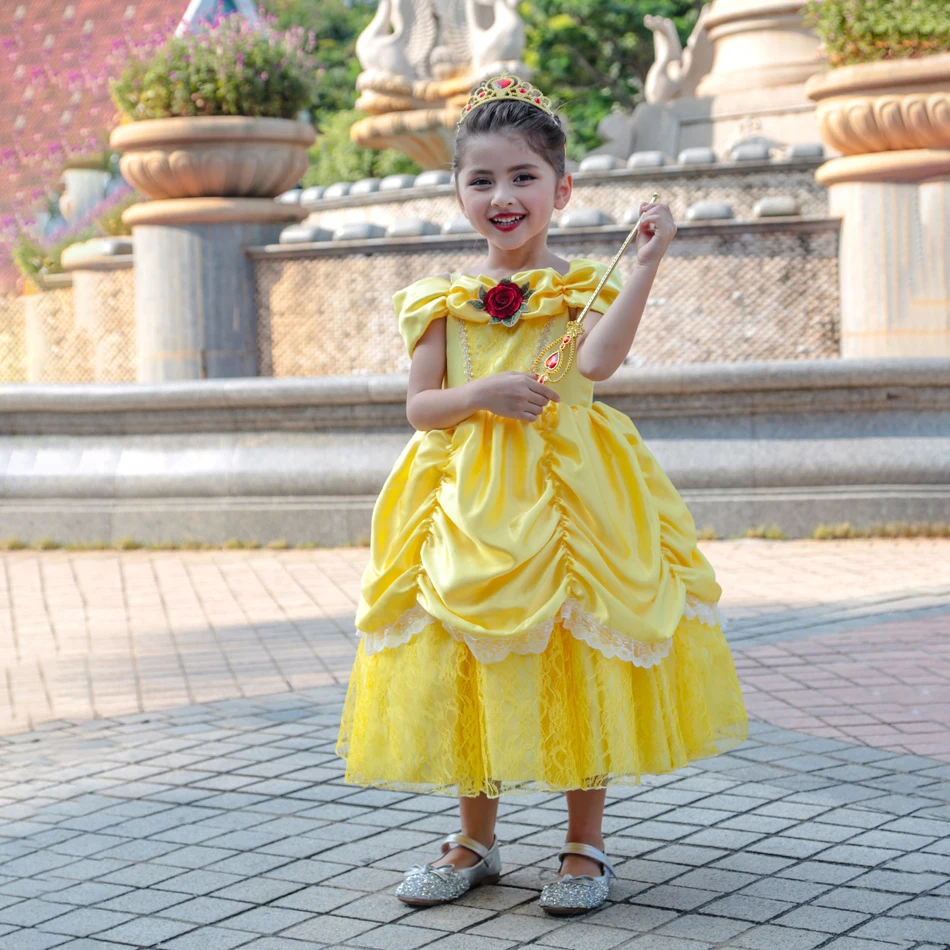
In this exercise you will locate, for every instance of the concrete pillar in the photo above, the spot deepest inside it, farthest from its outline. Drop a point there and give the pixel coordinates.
(194, 285)
(894, 264)
(894, 253)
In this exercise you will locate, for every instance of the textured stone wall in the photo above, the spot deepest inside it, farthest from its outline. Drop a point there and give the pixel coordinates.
(12, 340)
(723, 294)
(613, 192)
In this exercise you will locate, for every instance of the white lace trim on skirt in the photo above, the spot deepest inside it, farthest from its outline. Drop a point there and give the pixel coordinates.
(582, 625)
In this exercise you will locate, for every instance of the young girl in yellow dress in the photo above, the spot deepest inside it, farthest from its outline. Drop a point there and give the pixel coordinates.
(535, 614)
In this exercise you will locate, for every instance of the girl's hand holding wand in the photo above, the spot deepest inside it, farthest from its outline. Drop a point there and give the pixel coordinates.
(602, 349)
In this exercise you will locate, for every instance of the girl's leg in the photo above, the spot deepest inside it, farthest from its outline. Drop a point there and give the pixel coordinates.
(478, 822)
(585, 817)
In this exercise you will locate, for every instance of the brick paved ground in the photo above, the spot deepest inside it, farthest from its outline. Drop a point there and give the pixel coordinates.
(208, 812)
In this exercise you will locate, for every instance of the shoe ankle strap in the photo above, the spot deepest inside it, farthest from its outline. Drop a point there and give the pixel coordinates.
(588, 851)
(457, 838)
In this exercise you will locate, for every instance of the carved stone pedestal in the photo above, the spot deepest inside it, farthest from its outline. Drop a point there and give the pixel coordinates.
(891, 189)
(194, 286)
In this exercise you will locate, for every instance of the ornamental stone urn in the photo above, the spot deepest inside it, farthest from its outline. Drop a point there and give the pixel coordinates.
(891, 188)
(213, 180)
(213, 156)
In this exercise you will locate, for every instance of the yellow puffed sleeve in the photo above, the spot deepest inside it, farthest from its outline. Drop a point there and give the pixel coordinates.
(581, 281)
(418, 305)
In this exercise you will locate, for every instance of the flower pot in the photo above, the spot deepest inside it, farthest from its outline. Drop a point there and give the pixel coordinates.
(885, 106)
(213, 156)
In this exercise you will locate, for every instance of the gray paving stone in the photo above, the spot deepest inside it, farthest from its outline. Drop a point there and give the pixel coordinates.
(860, 899)
(677, 898)
(197, 882)
(209, 938)
(937, 908)
(31, 940)
(267, 920)
(146, 931)
(825, 919)
(898, 881)
(663, 942)
(897, 929)
(821, 873)
(517, 927)
(384, 909)
(715, 879)
(28, 913)
(770, 937)
(144, 901)
(741, 907)
(705, 928)
(395, 937)
(855, 943)
(257, 890)
(468, 942)
(85, 921)
(583, 936)
(205, 910)
(329, 929)
(785, 889)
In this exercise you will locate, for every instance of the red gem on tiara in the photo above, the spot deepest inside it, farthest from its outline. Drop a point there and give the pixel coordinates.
(481, 95)
(503, 83)
(525, 91)
(538, 101)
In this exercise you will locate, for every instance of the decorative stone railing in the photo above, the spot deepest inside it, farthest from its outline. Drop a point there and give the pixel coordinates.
(790, 444)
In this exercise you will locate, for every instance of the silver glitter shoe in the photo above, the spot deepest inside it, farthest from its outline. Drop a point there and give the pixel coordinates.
(425, 885)
(576, 895)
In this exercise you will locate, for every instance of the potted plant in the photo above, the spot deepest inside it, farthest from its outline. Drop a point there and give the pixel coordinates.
(888, 88)
(213, 112)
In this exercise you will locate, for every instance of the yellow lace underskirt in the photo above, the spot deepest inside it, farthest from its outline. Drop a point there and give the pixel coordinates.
(429, 717)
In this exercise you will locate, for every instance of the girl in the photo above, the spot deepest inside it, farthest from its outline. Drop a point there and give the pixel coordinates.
(535, 614)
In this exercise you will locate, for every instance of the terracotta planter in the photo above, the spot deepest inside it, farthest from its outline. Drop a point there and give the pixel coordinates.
(886, 106)
(213, 156)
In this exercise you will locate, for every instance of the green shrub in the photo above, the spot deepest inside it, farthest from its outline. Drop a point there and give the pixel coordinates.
(227, 67)
(863, 31)
(336, 157)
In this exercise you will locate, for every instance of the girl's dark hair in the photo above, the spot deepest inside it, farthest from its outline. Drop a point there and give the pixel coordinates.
(542, 132)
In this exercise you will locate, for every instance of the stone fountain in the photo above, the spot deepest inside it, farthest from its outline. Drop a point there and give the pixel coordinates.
(420, 60)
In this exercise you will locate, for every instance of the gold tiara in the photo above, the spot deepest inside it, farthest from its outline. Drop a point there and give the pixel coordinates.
(506, 86)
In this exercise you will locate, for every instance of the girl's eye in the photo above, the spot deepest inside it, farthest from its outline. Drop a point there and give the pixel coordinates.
(527, 175)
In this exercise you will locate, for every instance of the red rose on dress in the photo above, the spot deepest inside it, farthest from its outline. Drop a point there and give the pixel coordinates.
(504, 303)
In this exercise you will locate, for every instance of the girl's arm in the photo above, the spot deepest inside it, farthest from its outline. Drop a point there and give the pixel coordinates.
(429, 406)
(607, 338)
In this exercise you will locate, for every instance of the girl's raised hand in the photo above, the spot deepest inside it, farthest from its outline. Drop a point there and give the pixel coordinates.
(515, 395)
(656, 232)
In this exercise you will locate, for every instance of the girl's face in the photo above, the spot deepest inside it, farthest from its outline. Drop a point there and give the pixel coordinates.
(507, 191)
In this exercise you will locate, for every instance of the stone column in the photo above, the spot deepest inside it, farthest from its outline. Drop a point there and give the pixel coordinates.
(891, 189)
(194, 285)
(102, 272)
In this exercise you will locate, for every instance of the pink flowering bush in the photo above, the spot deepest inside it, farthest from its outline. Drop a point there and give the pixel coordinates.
(229, 66)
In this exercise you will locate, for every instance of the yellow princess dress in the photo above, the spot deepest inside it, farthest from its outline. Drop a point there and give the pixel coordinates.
(535, 614)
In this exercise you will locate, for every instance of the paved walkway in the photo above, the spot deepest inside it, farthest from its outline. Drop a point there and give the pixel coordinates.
(204, 809)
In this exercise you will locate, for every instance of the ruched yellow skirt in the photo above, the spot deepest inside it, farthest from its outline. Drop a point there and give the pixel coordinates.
(428, 717)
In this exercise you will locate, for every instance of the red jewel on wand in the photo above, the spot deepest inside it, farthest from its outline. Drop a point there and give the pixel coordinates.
(553, 362)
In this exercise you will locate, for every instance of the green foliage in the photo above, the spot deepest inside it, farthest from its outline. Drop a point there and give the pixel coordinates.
(227, 67)
(335, 157)
(863, 31)
(592, 56)
(35, 260)
(110, 223)
(335, 26)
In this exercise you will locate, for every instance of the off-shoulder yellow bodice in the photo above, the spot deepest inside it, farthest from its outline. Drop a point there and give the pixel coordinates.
(475, 347)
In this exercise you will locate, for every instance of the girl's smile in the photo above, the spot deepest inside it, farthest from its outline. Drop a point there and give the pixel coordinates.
(507, 222)
(509, 192)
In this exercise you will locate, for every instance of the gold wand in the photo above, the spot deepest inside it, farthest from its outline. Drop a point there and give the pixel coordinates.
(553, 362)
